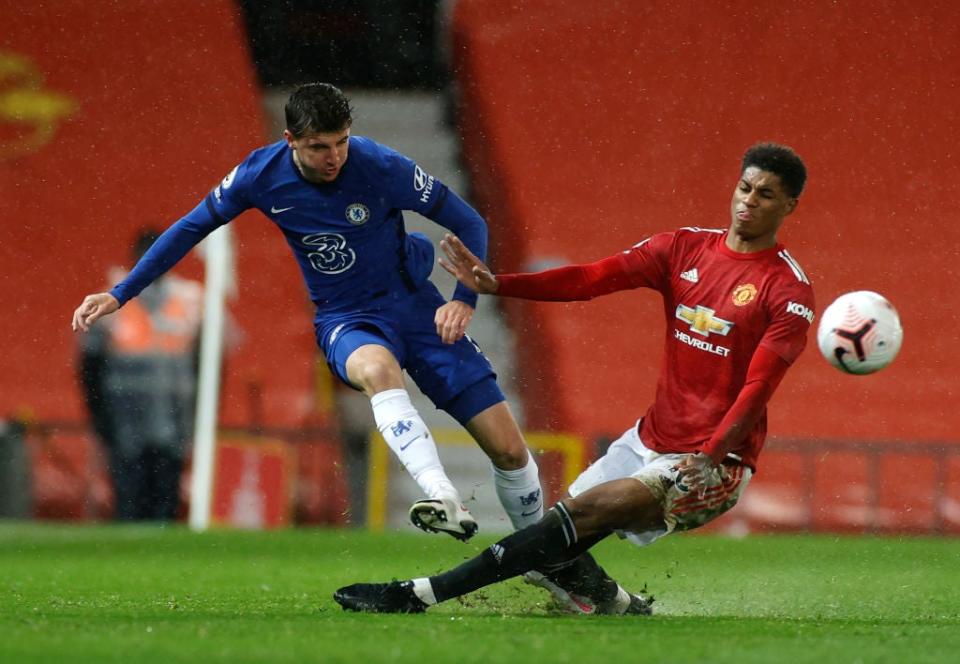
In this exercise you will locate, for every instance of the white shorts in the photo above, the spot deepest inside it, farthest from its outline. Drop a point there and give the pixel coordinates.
(682, 510)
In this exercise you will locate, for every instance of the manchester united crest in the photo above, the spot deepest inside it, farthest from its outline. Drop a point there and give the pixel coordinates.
(744, 294)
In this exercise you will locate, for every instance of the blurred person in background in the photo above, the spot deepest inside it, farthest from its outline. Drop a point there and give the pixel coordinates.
(139, 375)
(338, 199)
(738, 308)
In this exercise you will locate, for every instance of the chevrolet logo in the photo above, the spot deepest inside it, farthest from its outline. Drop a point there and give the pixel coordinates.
(702, 321)
(30, 113)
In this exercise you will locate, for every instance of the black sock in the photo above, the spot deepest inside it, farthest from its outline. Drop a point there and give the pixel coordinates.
(548, 544)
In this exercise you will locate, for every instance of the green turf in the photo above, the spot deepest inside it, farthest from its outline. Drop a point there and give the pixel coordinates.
(150, 594)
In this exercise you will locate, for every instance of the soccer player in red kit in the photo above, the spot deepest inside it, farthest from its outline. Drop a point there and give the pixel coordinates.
(738, 308)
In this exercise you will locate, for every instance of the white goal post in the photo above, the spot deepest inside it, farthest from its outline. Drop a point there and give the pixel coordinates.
(218, 274)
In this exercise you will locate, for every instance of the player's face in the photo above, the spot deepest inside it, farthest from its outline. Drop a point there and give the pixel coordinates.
(759, 206)
(321, 155)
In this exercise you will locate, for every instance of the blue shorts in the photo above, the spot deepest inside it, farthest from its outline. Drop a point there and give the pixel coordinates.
(457, 378)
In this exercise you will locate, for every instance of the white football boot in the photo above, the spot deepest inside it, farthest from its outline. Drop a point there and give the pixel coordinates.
(625, 603)
(569, 602)
(444, 515)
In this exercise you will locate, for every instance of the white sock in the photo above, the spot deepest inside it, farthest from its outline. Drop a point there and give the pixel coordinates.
(616, 606)
(520, 493)
(423, 590)
(408, 437)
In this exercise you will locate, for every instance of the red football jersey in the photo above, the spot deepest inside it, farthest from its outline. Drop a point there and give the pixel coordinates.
(720, 307)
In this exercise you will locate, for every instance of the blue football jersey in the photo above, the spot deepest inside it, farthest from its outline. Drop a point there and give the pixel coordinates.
(348, 236)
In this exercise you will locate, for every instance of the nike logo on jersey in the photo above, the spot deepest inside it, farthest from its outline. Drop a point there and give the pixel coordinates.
(276, 210)
(690, 275)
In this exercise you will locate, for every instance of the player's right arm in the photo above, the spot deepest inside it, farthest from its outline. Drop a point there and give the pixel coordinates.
(643, 265)
(94, 306)
(166, 252)
(221, 205)
(466, 267)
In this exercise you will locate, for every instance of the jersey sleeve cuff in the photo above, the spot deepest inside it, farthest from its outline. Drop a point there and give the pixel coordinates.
(465, 295)
(712, 450)
(118, 292)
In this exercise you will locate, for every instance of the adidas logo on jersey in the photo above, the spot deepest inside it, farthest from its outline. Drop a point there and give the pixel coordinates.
(690, 275)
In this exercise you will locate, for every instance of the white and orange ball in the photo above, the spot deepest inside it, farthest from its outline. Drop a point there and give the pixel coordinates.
(860, 332)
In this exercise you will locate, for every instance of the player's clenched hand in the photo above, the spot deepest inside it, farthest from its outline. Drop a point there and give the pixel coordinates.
(697, 472)
(452, 320)
(93, 307)
(466, 267)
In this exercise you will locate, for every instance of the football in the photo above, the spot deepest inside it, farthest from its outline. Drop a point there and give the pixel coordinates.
(860, 332)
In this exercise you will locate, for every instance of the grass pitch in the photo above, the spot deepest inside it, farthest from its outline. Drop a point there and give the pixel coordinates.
(111, 593)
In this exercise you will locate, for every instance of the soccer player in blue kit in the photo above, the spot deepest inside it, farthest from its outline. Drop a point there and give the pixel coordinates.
(377, 313)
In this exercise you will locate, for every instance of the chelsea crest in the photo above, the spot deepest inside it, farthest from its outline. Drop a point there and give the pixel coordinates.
(357, 213)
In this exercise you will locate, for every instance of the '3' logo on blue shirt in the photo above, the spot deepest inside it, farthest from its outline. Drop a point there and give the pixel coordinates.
(330, 254)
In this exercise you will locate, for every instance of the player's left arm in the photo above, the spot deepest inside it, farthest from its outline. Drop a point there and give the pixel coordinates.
(415, 189)
(456, 215)
(784, 340)
(412, 188)
(764, 374)
(766, 371)
(444, 207)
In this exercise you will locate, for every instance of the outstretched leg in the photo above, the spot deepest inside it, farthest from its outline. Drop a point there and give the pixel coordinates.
(555, 542)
